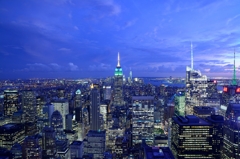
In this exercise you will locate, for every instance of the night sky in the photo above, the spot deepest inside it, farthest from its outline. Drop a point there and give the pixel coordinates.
(81, 38)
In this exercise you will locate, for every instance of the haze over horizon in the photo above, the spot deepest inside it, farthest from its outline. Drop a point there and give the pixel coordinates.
(78, 39)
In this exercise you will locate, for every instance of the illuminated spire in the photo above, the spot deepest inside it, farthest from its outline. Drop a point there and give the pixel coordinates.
(234, 81)
(191, 56)
(118, 65)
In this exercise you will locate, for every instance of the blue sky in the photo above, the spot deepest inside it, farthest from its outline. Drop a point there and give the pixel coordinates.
(81, 38)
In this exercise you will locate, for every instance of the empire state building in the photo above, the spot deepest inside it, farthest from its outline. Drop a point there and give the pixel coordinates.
(118, 85)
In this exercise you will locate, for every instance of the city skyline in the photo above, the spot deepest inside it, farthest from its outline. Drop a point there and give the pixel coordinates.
(75, 39)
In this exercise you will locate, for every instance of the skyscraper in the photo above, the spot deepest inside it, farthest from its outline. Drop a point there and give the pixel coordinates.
(49, 143)
(57, 123)
(62, 106)
(142, 119)
(118, 85)
(196, 86)
(31, 148)
(95, 143)
(95, 123)
(29, 105)
(193, 137)
(10, 102)
(231, 129)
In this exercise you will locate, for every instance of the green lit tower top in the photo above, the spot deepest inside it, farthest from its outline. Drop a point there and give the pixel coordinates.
(118, 69)
(234, 81)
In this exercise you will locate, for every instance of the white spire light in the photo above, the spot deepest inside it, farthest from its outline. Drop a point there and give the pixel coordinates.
(191, 56)
(118, 65)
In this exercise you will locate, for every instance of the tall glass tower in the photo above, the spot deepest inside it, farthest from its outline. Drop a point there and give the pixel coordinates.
(118, 85)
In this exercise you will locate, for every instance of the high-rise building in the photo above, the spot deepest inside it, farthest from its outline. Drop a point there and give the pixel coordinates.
(47, 111)
(57, 124)
(31, 148)
(10, 134)
(29, 105)
(95, 144)
(40, 102)
(231, 141)
(78, 99)
(180, 103)
(76, 149)
(107, 92)
(142, 120)
(62, 106)
(196, 88)
(203, 111)
(118, 85)
(95, 123)
(11, 103)
(217, 122)
(17, 151)
(69, 122)
(48, 143)
(193, 137)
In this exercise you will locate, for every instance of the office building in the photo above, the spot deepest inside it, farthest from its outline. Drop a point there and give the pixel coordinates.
(76, 149)
(94, 109)
(30, 128)
(17, 117)
(142, 120)
(17, 151)
(217, 122)
(63, 107)
(48, 143)
(57, 124)
(29, 106)
(69, 122)
(180, 103)
(62, 149)
(107, 91)
(45, 117)
(149, 152)
(231, 141)
(11, 104)
(94, 144)
(40, 102)
(203, 111)
(78, 99)
(10, 134)
(194, 137)
(31, 148)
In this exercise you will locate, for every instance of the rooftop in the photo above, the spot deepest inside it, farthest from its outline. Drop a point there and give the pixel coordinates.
(190, 120)
(143, 98)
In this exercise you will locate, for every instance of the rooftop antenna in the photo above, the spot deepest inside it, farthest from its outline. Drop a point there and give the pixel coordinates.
(234, 81)
(118, 65)
(191, 56)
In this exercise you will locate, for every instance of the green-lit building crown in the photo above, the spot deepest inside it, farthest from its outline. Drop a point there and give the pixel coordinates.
(118, 71)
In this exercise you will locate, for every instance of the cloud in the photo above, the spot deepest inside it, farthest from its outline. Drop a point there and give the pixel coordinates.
(72, 67)
(37, 67)
(55, 66)
(70, 15)
(64, 49)
(99, 9)
(76, 28)
(100, 67)
(233, 18)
